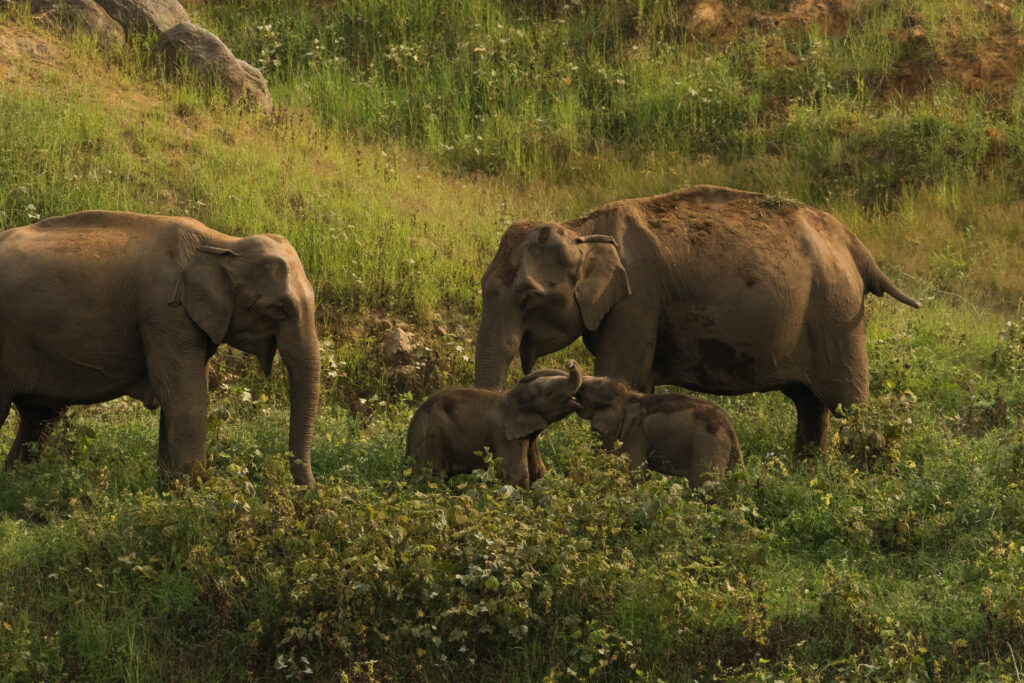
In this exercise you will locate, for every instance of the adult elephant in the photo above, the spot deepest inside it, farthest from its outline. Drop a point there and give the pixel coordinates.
(100, 304)
(709, 288)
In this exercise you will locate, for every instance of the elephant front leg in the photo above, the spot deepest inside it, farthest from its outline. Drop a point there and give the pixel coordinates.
(182, 448)
(811, 422)
(514, 463)
(180, 388)
(635, 449)
(534, 463)
(35, 424)
(624, 349)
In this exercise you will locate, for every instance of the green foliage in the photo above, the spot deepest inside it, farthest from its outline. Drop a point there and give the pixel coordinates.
(897, 555)
(540, 88)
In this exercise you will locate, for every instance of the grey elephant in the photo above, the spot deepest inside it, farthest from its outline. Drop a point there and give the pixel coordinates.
(99, 304)
(673, 434)
(452, 427)
(708, 288)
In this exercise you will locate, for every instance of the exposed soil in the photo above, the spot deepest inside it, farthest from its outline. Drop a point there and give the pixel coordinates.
(717, 20)
(17, 46)
(992, 65)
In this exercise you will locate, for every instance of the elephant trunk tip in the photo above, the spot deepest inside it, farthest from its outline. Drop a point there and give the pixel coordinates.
(302, 474)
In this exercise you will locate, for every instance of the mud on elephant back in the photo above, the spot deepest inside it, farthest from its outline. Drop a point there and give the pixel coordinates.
(100, 304)
(712, 289)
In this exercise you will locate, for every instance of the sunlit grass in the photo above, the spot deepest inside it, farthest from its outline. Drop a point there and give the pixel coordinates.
(395, 159)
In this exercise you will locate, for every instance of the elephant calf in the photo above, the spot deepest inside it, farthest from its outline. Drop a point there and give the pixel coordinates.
(672, 433)
(449, 431)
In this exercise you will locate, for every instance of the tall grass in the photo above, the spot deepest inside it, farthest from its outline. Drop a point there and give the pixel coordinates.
(536, 89)
(394, 170)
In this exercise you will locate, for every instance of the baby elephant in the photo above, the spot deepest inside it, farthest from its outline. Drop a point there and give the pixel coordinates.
(449, 431)
(673, 433)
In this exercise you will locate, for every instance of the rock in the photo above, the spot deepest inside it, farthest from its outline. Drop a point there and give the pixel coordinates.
(85, 14)
(398, 346)
(707, 18)
(35, 48)
(208, 54)
(256, 90)
(405, 377)
(914, 34)
(143, 16)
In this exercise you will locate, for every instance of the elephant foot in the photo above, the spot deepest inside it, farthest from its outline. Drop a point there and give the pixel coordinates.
(812, 422)
(34, 428)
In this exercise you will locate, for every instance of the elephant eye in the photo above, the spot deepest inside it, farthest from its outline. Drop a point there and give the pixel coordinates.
(277, 311)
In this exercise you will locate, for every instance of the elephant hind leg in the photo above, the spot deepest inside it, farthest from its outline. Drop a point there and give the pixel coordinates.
(35, 423)
(811, 421)
(5, 409)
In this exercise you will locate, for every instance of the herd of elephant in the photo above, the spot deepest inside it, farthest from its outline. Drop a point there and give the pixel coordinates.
(708, 288)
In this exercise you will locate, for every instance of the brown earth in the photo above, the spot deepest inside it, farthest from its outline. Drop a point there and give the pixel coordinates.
(18, 46)
(991, 65)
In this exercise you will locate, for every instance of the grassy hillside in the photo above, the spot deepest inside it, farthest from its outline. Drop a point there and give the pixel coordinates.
(407, 135)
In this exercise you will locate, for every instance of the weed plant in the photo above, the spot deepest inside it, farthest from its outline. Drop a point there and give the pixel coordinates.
(397, 154)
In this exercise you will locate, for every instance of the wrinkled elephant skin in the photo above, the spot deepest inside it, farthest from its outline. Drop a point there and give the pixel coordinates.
(450, 430)
(708, 288)
(674, 434)
(100, 304)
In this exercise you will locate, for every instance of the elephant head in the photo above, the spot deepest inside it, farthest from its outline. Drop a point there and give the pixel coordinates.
(544, 288)
(255, 297)
(541, 398)
(604, 402)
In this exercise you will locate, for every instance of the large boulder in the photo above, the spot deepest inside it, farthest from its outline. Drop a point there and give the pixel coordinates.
(256, 90)
(143, 16)
(84, 14)
(206, 53)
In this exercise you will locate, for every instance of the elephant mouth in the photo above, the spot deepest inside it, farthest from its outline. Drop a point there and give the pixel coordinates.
(527, 353)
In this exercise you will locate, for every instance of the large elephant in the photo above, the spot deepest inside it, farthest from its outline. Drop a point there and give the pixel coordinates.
(99, 304)
(709, 288)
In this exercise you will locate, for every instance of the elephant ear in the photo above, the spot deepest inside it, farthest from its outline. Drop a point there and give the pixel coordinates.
(520, 423)
(602, 279)
(206, 292)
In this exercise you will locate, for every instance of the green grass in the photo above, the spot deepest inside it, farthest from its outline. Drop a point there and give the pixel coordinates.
(394, 169)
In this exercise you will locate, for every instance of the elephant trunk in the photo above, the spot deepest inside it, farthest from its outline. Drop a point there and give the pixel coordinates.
(496, 345)
(301, 355)
(575, 379)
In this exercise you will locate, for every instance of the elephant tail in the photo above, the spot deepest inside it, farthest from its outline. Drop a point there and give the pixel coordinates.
(875, 281)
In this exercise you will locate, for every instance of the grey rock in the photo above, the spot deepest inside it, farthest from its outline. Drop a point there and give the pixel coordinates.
(256, 87)
(84, 14)
(397, 346)
(143, 16)
(207, 54)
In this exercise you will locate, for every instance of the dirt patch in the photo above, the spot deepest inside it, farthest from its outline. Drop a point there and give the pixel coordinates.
(832, 16)
(992, 67)
(714, 20)
(17, 46)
